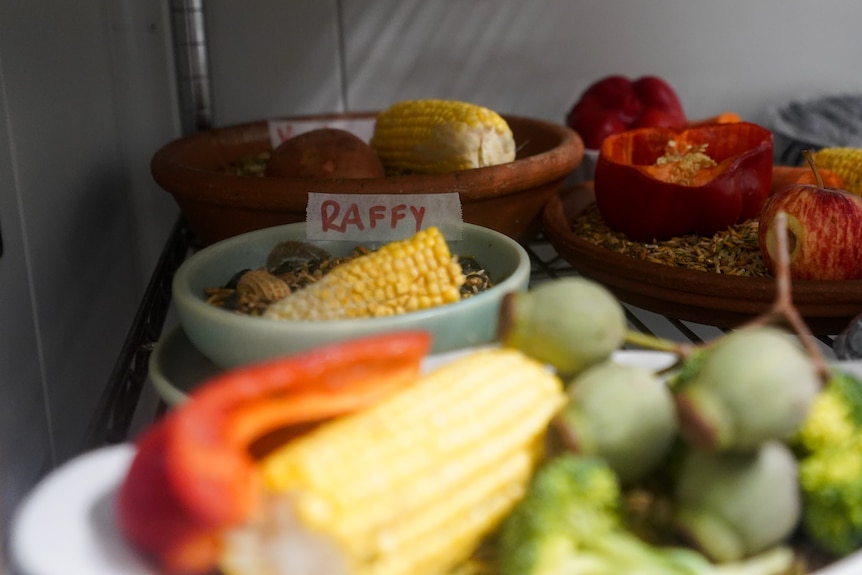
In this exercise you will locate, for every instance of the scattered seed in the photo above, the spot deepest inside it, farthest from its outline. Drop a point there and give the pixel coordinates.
(734, 251)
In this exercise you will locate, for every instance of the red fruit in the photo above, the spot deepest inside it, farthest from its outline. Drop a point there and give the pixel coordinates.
(596, 124)
(655, 118)
(657, 94)
(616, 94)
(616, 104)
(609, 90)
(824, 228)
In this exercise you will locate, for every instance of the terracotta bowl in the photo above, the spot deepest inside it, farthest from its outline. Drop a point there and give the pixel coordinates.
(507, 198)
(703, 297)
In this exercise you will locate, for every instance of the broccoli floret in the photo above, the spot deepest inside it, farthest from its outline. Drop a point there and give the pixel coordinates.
(571, 499)
(835, 417)
(831, 482)
(830, 467)
(569, 523)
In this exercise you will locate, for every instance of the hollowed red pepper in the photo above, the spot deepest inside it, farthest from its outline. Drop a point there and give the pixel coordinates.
(615, 104)
(642, 200)
(194, 473)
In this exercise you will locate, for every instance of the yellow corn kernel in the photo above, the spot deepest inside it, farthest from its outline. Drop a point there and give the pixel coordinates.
(412, 485)
(846, 162)
(436, 136)
(409, 275)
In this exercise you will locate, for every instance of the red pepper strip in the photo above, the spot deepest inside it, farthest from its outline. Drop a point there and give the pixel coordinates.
(193, 476)
(153, 519)
(639, 199)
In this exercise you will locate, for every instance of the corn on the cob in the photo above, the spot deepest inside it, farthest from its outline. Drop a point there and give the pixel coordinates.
(846, 162)
(409, 275)
(412, 485)
(435, 136)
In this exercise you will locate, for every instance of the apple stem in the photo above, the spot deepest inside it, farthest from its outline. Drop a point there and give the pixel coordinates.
(809, 157)
(783, 312)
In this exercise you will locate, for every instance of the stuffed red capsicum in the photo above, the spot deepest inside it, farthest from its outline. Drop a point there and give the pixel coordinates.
(656, 183)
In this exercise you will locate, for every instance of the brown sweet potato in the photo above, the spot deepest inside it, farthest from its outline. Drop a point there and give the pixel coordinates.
(324, 153)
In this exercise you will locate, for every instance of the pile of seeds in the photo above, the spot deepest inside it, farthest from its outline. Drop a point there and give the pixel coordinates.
(684, 163)
(254, 165)
(476, 278)
(734, 251)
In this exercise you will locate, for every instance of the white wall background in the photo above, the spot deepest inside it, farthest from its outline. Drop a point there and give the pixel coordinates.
(87, 95)
(271, 57)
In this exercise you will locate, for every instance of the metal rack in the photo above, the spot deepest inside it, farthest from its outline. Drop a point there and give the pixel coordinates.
(120, 400)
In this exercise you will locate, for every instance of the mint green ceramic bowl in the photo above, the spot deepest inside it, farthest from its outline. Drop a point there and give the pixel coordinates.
(230, 339)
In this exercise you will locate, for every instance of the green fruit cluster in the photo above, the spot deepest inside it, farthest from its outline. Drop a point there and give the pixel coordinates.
(723, 414)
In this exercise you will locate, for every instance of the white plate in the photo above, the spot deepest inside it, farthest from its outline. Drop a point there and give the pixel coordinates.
(176, 367)
(70, 512)
(66, 526)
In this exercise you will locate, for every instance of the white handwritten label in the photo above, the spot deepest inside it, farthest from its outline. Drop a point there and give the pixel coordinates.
(281, 130)
(381, 217)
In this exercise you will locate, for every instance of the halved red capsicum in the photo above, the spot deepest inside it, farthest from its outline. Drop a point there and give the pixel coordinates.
(646, 202)
(194, 474)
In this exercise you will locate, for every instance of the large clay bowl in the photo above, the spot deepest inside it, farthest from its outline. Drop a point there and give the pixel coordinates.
(704, 297)
(507, 198)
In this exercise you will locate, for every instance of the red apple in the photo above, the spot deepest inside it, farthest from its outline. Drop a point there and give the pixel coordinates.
(824, 232)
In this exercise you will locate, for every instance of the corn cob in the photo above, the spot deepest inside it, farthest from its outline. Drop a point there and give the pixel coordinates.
(436, 136)
(846, 162)
(412, 485)
(403, 276)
